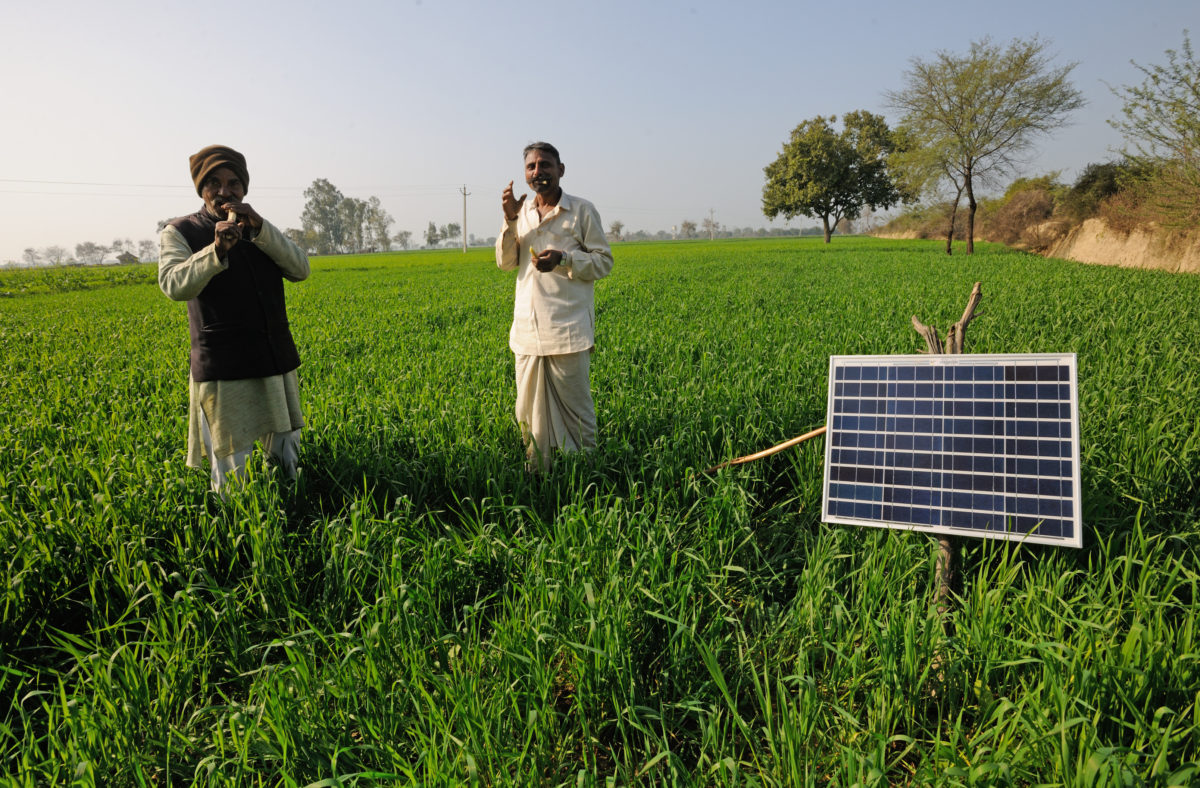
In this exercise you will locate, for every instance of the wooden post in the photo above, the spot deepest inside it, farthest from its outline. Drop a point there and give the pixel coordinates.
(947, 545)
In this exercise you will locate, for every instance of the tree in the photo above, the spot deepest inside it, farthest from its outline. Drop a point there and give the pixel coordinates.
(379, 221)
(711, 226)
(450, 231)
(147, 250)
(403, 238)
(322, 217)
(1161, 126)
(432, 236)
(31, 257)
(54, 255)
(687, 229)
(353, 213)
(615, 227)
(821, 173)
(89, 253)
(978, 113)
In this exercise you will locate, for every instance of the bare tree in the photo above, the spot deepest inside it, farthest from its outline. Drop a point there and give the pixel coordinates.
(147, 250)
(54, 255)
(687, 229)
(614, 228)
(89, 253)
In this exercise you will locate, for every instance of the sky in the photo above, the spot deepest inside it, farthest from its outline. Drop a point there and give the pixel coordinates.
(662, 111)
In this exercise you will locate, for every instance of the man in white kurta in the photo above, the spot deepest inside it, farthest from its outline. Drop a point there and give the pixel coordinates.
(557, 245)
(228, 263)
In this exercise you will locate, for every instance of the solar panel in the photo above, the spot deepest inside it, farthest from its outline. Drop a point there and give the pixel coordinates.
(972, 445)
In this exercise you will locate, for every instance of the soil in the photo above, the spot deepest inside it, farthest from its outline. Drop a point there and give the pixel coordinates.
(1095, 242)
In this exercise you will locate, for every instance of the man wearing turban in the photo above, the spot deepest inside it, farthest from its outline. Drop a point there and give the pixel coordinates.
(228, 263)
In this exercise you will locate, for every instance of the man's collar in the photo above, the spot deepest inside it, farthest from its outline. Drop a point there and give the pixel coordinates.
(564, 203)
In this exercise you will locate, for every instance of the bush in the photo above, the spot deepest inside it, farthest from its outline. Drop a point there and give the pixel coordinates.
(1096, 183)
(1021, 220)
(928, 221)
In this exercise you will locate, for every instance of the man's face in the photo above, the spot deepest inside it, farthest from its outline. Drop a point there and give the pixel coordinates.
(221, 186)
(542, 172)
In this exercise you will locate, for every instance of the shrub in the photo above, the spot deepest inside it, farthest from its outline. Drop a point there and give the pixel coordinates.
(1096, 183)
(1019, 219)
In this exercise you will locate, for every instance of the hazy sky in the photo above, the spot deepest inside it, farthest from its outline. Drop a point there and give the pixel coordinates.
(663, 111)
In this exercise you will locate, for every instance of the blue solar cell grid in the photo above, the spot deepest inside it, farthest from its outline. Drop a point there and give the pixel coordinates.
(978, 445)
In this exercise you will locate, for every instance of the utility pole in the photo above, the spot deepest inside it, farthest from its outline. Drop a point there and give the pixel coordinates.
(464, 192)
(712, 226)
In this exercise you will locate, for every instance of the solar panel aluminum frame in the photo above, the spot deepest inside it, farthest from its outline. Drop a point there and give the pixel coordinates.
(908, 451)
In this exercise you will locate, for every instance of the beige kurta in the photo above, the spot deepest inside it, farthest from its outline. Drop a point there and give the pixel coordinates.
(554, 323)
(239, 412)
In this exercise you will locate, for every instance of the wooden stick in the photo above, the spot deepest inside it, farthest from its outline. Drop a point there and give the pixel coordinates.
(958, 331)
(768, 452)
(944, 566)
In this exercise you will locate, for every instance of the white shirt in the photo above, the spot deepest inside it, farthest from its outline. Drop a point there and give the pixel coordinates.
(553, 312)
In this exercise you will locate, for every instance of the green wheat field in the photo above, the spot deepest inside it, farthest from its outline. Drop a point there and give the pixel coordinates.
(416, 609)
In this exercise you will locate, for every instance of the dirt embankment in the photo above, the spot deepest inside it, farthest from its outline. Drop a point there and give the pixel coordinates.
(1095, 242)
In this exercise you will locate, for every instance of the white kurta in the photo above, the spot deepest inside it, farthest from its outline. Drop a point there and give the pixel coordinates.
(554, 323)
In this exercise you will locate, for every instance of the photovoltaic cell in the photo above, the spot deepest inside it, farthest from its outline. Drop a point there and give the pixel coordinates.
(974, 445)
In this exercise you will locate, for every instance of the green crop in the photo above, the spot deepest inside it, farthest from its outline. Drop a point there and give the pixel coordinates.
(417, 609)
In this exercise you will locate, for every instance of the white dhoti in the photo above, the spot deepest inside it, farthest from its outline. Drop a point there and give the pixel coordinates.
(554, 405)
(227, 417)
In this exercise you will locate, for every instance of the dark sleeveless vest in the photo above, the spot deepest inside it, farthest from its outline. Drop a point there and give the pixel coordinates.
(238, 324)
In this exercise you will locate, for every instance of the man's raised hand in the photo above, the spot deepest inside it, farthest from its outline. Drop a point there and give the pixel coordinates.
(509, 202)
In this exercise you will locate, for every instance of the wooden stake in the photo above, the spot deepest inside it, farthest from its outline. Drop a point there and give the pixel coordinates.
(947, 545)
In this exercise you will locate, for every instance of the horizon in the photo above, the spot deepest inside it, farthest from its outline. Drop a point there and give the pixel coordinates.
(663, 113)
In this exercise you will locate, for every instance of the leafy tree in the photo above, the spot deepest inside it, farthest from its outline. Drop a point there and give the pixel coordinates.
(687, 229)
(976, 114)
(403, 238)
(821, 173)
(31, 257)
(615, 228)
(379, 221)
(1096, 183)
(353, 213)
(432, 236)
(305, 239)
(450, 231)
(1161, 126)
(322, 217)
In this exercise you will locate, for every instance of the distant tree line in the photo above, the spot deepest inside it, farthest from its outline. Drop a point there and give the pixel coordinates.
(91, 253)
(687, 230)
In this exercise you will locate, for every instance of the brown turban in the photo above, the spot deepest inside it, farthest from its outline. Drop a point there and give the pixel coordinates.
(214, 157)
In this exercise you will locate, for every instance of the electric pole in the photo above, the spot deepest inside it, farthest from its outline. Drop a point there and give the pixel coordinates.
(464, 192)
(712, 225)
